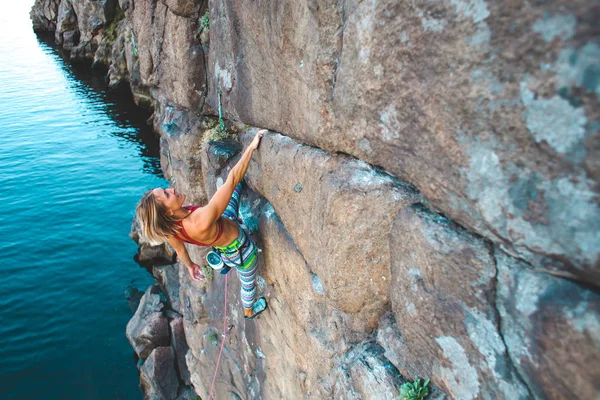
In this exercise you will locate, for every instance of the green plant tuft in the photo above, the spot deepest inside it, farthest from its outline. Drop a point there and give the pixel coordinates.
(208, 272)
(212, 338)
(205, 21)
(414, 390)
(216, 134)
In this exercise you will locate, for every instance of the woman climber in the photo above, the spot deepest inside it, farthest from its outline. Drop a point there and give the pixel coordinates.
(163, 217)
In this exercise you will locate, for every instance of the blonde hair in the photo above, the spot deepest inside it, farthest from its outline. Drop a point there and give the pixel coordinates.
(152, 216)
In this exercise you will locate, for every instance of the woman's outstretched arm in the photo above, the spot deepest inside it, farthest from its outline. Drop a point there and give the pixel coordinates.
(185, 257)
(218, 203)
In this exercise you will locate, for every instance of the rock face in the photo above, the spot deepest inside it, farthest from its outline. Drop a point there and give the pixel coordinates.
(483, 107)
(148, 329)
(428, 208)
(156, 333)
(158, 376)
(539, 326)
(440, 270)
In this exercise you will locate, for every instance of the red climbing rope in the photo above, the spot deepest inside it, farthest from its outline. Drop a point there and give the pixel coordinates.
(212, 386)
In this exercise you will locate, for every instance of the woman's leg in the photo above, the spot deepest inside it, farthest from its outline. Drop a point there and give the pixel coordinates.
(248, 291)
(231, 211)
(242, 254)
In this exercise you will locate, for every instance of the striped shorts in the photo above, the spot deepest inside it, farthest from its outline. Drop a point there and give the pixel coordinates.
(240, 254)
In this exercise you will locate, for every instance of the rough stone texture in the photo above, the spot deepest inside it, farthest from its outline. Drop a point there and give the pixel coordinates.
(337, 209)
(157, 375)
(83, 51)
(390, 338)
(171, 58)
(552, 331)
(70, 39)
(447, 276)
(167, 276)
(180, 348)
(303, 333)
(85, 17)
(184, 8)
(148, 255)
(187, 393)
(43, 15)
(487, 108)
(366, 373)
(148, 328)
(180, 156)
(66, 21)
(134, 297)
(308, 332)
(92, 15)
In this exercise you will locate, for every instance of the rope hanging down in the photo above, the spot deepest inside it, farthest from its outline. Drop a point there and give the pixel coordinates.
(225, 333)
(221, 123)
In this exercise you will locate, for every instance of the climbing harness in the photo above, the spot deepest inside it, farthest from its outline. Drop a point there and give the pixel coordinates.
(239, 251)
(225, 332)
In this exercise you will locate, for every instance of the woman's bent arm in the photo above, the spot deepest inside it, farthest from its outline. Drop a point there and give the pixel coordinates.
(183, 255)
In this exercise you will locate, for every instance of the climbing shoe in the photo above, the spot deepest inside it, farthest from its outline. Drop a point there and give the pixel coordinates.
(259, 306)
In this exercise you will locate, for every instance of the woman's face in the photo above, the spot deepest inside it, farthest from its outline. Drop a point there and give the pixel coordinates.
(170, 198)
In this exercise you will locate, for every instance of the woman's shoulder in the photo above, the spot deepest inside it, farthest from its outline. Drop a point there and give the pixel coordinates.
(197, 218)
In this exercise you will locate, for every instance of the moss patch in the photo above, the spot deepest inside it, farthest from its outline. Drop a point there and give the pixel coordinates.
(217, 133)
(111, 31)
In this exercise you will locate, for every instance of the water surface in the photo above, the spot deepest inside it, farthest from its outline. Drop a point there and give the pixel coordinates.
(74, 160)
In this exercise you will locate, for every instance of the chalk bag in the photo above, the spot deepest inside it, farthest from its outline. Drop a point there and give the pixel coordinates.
(214, 260)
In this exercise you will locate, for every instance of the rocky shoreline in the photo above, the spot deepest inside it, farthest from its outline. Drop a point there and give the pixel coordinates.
(426, 200)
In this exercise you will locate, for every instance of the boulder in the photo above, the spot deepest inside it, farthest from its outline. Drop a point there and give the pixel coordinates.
(365, 373)
(134, 297)
(43, 15)
(167, 276)
(149, 256)
(93, 15)
(83, 52)
(180, 347)
(148, 329)
(158, 379)
(551, 329)
(66, 20)
(70, 39)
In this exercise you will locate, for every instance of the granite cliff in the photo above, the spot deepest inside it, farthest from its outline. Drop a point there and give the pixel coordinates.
(426, 199)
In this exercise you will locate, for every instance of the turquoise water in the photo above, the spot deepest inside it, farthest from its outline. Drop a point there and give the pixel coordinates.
(74, 160)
